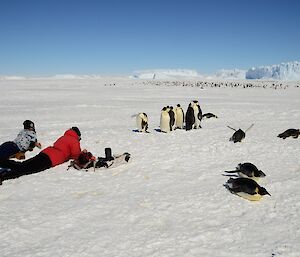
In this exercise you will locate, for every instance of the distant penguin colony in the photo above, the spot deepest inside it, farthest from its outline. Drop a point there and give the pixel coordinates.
(289, 133)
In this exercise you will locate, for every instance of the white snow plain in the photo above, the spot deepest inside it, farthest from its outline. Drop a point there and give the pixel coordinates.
(169, 201)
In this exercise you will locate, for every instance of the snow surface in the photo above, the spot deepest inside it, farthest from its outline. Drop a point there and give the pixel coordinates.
(170, 200)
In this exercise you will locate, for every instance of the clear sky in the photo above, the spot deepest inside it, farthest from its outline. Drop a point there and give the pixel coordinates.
(47, 37)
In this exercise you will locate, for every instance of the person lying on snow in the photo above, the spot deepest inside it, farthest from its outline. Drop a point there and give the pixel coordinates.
(64, 149)
(25, 141)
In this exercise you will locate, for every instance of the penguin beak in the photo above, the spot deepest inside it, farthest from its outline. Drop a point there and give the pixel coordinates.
(262, 173)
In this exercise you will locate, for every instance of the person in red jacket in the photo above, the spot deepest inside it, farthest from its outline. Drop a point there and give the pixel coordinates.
(64, 149)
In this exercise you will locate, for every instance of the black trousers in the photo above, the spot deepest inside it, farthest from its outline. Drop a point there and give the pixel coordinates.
(35, 164)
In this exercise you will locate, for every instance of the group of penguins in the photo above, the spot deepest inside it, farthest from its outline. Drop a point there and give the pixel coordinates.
(174, 118)
(243, 180)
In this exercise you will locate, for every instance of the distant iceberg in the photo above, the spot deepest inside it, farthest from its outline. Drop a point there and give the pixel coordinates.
(283, 71)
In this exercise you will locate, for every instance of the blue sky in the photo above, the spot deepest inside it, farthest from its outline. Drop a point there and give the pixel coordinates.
(44, 37)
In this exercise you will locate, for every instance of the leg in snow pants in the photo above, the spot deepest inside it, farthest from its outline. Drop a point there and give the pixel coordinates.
(35, 164)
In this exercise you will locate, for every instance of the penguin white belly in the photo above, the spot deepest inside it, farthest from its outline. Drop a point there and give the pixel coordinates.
(142, 122)
(242, 175)
(179, 118)
(249, 197)
(139, 121)
(175, 121)
(165, 122)
(197, 121)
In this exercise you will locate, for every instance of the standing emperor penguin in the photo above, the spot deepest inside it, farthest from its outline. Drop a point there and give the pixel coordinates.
(189, 117)
(179, 116)
(164, 120)
(142, 122)
(172, 115)
(197, 114)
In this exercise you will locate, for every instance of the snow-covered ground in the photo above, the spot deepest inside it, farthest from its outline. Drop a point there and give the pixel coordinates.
(170, 200)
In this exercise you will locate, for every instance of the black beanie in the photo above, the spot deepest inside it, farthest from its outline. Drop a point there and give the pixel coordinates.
(77, 131)
(28, 124)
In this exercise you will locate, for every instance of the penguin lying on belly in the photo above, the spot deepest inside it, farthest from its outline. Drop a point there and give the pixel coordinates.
(239, 134)
(247, 170)
(209, 115)
(290, 133)
(246, 188)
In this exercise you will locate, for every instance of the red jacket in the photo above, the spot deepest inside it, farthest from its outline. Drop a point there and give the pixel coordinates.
(65, 148)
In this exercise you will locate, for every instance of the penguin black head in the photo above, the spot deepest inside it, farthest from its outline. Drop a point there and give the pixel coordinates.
(260, 174)
(263, 191)
(164, 109)
(178, 105)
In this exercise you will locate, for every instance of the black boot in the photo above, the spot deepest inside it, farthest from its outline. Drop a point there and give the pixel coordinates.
(5, 173)
(108, 154)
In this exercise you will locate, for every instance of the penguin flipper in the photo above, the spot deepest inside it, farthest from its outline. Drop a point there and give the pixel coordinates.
(231, 171)
(230, 175)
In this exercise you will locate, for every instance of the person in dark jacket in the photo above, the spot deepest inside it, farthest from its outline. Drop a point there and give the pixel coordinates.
(64, 149)
(25, 141)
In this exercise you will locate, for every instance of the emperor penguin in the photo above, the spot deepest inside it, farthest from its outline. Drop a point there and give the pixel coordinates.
(172, 118)
(164, 120)
(246, 188)
(248, 170)
(209, 115)
(197, 114)
(179, 117)
(290, 133)
(239, 134)
(142, 122)
(189, 117)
